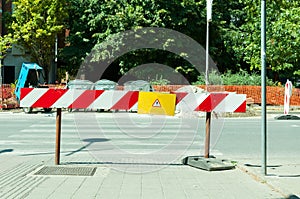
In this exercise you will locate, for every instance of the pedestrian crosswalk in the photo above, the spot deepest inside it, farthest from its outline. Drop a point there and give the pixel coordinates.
(113, 138)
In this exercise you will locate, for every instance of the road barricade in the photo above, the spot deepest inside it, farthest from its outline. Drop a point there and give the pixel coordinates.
(78, 99)
(209, 102)
(128, 100)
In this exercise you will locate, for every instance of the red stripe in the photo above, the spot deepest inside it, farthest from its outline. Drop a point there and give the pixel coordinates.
(210, 103)
(86, 99)
(241, 108)
(24, 92)
(179, 96)
(127, 101)
(49, 98)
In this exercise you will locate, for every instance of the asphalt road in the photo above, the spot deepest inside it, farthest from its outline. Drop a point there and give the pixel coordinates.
(129, 137)
(242, 138)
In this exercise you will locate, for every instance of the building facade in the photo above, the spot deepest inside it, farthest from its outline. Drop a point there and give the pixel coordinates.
(12, 62)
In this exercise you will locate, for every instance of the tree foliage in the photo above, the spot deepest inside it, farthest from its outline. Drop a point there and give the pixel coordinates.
(5, 44)
(234, 31)
(98, 21)
(35, 26)
(6, 39)
(283, 25)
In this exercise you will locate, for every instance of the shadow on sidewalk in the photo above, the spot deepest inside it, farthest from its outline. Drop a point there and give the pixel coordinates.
(255, 165)
(122, 163)
(277, 169)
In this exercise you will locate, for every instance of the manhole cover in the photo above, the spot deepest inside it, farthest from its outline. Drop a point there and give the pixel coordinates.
(63, 170)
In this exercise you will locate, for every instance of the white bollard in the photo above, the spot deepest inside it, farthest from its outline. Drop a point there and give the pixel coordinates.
(287, 96)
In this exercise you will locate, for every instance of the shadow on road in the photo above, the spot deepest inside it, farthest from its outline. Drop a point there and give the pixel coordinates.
(90, 142)
(6, 151)
(293, 197)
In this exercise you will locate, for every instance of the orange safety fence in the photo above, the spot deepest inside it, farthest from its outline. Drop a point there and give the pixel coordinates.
(7, 97)
(275, 94)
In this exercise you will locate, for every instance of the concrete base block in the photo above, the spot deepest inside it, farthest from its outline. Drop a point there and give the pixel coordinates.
(287, 117)
(209, 164)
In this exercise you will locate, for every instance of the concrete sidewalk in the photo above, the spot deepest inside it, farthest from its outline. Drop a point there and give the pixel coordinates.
(18, 180)
(283, 175)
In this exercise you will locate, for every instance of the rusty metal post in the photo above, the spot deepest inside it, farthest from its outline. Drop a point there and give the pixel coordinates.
(207, 135)
(58, 135)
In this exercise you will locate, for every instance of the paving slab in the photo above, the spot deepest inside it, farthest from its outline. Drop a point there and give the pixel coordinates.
(283, 175)
(178, 181)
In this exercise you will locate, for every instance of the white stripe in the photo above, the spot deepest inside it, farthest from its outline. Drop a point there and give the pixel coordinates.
(46, 134)
(38, 130)
(134, 107)
(191, 101)
(107, 99)
(50, 125)
(32, 97)
(68, 98)
(231, 102)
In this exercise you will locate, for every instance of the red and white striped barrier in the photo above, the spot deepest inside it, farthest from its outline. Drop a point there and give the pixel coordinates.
(208, 102)
(127, 100)
(78, 99)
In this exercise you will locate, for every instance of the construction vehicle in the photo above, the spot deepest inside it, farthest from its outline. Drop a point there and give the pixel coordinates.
(31, 76)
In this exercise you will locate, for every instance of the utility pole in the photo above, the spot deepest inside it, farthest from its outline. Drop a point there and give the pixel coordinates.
(263, 89)
(209, 18)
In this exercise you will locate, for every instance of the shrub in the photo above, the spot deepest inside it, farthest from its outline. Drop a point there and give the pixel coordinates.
(159, 81)
(229, 78)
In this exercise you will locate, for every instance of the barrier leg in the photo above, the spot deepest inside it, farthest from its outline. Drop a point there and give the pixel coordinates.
(205, 162)
(207, 135)
(58, 135)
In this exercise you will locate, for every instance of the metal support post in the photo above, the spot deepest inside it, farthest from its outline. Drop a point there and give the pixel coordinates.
(206, 162)
(207, 135)
(58, 135)
(207, 56)
(263, 89)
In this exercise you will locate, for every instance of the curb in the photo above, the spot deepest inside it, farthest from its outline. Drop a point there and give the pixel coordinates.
(260, 179)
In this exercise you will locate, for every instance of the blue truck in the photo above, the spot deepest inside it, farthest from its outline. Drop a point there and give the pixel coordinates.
(31, 76)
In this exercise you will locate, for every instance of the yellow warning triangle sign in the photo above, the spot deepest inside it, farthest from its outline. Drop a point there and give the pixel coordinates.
(156, 103)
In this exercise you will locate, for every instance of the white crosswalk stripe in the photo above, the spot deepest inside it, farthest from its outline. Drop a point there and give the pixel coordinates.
(109, 135)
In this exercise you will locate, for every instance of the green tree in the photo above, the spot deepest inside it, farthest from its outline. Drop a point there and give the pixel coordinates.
(80, 40)
(5, 44)
(35, 26)
(221, 37)
(6, 39)
(92, 22)
(283, 24)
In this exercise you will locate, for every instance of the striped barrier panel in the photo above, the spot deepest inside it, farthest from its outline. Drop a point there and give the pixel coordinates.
(127, 100)
(78, 99)
(208, 102)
